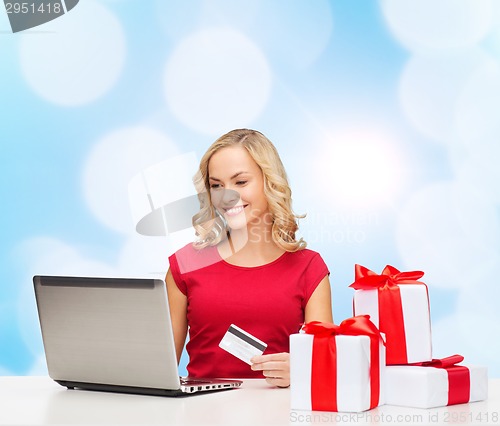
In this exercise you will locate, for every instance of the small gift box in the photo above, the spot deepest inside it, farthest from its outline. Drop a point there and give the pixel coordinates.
(398, 304)
(337, 367)
(436, 383)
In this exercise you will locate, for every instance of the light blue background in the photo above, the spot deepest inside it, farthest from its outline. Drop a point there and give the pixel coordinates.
(386, 118)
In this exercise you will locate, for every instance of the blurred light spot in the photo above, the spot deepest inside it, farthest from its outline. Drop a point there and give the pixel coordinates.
(492, 42)
(179, 19)
(479, 105)
(479, 168)
(431, 85)
(449, 231)
(294, 33)
(78, 59)
(229, 13)
(291, 33)
(359, 169)
(476, 153)
(216, 80)
(112, 163)
(438, 24)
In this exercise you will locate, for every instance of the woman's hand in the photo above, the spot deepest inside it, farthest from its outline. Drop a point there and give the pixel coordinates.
(274, 367)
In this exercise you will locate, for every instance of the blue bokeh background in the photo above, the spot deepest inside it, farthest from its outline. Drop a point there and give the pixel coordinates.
(386, 117)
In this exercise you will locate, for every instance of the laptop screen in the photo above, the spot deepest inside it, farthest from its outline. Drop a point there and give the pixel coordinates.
(114, 331)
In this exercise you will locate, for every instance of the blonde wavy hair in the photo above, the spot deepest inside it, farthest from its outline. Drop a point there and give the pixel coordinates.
(211, 227)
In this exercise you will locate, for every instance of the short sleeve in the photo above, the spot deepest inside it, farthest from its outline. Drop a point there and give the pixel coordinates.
(187, 260)
(176, 274)
(314, 273)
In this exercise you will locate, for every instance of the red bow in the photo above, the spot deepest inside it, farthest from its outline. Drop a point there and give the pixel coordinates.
(449, 361)
(458, 377)
(390, 276)
(391, 320)
(324, 366)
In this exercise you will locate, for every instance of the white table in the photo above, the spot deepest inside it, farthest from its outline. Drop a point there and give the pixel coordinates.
(40, 401)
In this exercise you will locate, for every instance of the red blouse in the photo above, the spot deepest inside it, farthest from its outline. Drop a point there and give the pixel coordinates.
(267, 301)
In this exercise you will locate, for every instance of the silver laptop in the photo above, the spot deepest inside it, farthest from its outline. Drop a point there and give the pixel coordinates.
(112, 334)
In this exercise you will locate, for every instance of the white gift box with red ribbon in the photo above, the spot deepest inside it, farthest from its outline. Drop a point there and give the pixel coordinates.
(430, 386)
(398, 305)
(357, 386)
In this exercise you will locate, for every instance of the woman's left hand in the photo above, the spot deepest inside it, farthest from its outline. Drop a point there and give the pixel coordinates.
(274, 367)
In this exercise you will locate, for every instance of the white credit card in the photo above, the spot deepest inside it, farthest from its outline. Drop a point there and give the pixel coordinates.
(242, 344)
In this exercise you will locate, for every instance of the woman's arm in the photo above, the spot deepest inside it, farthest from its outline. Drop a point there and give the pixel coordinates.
(319, 305)
(177, 303)
(276, 367)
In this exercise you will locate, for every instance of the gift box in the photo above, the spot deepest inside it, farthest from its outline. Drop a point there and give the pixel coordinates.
(436, 383)
(398, 304)
(337, 367)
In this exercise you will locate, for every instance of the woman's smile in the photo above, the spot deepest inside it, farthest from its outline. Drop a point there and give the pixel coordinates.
(236, 210)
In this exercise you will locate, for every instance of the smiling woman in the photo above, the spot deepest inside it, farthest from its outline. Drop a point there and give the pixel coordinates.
(246, 268)
(251, 164)
(239, 189)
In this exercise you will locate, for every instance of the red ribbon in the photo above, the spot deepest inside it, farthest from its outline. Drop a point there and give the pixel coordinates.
(391, 320)
(324, 355)
(390, 276)
(458, 377)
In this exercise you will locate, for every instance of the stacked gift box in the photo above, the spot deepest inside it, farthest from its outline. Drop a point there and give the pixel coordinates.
(383, 355)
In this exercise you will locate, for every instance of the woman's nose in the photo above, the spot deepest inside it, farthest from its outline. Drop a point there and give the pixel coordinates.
(230, 198)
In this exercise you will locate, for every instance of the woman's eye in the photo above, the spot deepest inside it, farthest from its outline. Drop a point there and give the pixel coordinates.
(241, 182)
(214, 186)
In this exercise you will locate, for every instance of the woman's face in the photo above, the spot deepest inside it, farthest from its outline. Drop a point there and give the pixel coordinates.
(237, 187)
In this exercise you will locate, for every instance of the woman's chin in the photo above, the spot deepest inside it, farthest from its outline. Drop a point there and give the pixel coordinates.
(238, 222)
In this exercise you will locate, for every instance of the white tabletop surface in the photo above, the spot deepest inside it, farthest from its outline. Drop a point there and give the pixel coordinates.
(28, 400)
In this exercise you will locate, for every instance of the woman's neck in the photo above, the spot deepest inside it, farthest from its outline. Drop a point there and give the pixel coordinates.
(251, 246)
